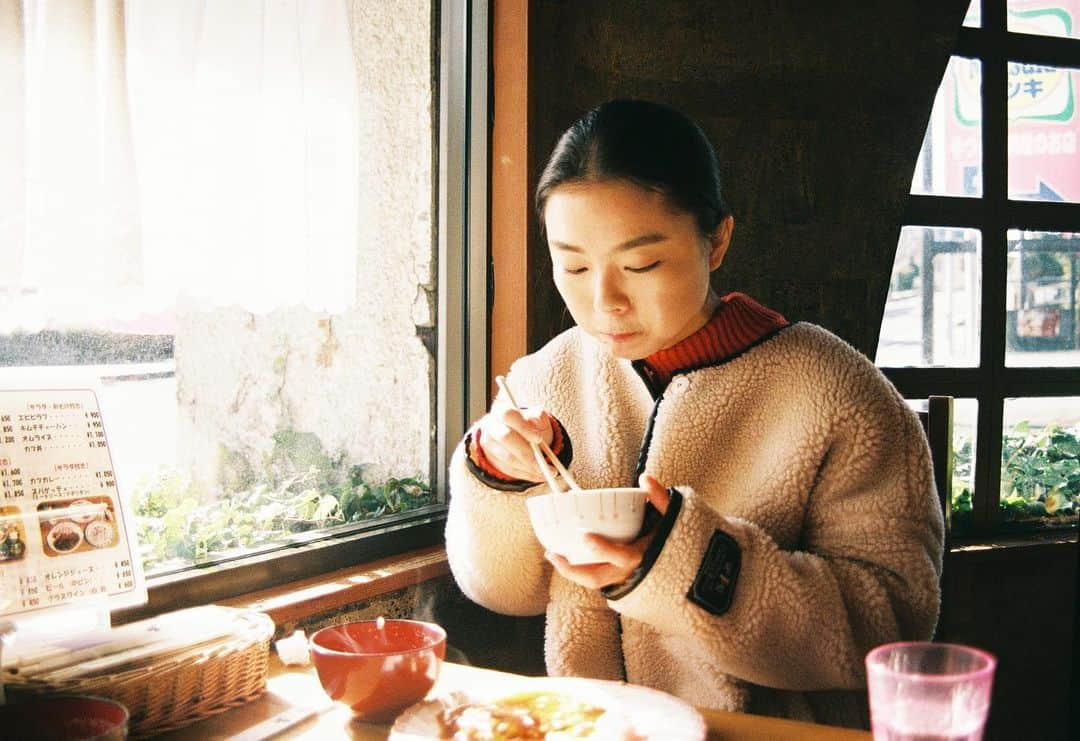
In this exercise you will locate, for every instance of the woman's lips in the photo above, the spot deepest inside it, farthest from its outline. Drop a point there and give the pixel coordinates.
(619, 336)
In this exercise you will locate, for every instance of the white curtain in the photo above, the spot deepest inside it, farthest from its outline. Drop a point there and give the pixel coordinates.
(164, 151)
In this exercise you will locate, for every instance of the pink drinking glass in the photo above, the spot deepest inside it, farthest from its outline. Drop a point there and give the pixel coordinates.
(923, 690)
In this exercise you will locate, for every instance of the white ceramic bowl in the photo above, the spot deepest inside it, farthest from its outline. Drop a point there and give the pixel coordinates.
(561, 520)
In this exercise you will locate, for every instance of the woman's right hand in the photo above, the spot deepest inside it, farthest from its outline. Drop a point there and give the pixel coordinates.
(505, 434)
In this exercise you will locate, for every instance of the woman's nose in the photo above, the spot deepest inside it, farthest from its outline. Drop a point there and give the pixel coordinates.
(608, 292)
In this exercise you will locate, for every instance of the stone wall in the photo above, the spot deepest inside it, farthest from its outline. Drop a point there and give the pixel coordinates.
(360, 380)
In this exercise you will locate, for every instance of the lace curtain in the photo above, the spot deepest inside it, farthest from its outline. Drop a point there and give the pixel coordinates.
(200, 152)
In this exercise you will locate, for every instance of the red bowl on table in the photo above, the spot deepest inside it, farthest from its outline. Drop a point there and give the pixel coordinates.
(64, 718)
(378, 667)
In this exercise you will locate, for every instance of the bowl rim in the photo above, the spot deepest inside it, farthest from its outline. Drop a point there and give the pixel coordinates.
(593, 490)
(46, 700)
(440, 637)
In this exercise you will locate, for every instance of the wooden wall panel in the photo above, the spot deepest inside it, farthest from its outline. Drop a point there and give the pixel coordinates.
(817, 111)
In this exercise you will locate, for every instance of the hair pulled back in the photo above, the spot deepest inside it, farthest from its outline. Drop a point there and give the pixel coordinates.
(649, 144)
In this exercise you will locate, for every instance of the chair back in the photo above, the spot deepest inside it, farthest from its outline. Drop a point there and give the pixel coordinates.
(937, 422)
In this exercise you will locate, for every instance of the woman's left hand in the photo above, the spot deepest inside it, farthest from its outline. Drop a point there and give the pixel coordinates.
(615, 561)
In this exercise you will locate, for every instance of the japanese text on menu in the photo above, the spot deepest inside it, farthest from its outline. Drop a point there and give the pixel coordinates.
(62, 533)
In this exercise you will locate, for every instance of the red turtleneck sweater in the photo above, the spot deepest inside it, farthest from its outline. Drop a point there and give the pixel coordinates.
(738, 323)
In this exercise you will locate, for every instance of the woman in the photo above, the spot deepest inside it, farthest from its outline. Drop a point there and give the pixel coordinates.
(801, 527)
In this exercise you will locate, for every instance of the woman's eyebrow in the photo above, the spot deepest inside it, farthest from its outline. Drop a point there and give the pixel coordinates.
(644, 239)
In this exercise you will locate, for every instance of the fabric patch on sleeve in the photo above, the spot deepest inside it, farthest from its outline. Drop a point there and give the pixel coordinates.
(714, 585)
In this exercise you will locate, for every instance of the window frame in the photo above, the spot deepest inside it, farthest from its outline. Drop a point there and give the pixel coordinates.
(993, 213)
(460, 115)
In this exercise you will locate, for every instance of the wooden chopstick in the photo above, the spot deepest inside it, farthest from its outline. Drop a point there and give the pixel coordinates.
(542, 446)
(552, 482)
(559, 466)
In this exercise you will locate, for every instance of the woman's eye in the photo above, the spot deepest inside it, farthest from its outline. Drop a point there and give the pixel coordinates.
(644, 268)
(573, 271)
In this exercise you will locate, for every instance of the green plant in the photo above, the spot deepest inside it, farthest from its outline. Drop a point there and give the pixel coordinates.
(1040, 473)
(297, 487)
(961, 484)
(1040, 477)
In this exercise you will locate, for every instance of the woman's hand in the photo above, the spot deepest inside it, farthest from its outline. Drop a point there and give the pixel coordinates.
(615, 561)
(505, 434)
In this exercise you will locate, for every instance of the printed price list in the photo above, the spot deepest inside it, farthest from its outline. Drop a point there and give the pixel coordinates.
(62, 532)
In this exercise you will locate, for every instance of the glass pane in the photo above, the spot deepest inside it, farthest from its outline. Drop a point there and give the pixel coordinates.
(973, 19)
(932, 313)
(1044, 17)
(1044, 126)
(1041, 327)
(238, 246)
(965, 423)
(950, 161)
(965, 419)
(1040, 462)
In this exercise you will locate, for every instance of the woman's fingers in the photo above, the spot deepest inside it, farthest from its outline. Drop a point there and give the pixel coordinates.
(516, 430)
(656, 492)
(504, 462)
(511, 459)
(504, 444)
(590, 576)
(615, 563)
(506, 434)
(532, 425)
(625, 557)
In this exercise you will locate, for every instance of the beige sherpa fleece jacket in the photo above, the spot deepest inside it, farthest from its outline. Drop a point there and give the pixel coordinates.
(798, 449)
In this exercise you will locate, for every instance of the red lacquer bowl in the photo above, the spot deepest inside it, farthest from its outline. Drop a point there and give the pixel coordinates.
(378, 670)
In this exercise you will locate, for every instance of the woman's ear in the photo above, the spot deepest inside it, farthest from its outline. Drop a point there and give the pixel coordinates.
(719, 241)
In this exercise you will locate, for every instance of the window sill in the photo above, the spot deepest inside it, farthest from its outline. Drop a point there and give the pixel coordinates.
(296, 600)
(1002, 543)
(284, 568)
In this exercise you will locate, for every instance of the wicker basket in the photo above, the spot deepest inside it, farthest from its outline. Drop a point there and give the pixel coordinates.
(176, 690)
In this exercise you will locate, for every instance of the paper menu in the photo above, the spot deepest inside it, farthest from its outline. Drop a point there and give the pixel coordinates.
(66, 537)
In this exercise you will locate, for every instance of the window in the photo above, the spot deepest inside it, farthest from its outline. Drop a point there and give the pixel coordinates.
(983, 299)
(251, 225)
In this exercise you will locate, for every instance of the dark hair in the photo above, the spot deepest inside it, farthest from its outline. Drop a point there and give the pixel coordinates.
(649, 144)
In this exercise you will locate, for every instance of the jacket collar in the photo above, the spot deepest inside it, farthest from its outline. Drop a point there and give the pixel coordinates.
(739, 323)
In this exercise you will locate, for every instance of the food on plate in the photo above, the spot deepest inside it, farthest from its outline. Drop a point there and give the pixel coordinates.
(531, 715)
(553, 709)
(100, 533)
(11, 543)
(64, 537)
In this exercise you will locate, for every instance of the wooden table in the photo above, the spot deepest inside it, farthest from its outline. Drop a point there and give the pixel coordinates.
(297, 689)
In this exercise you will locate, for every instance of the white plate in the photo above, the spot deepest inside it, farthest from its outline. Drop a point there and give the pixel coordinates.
(100, 533)
(646, 713)
(65, 534)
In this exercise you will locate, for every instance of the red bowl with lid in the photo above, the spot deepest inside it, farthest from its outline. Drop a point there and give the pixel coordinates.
(378, 667)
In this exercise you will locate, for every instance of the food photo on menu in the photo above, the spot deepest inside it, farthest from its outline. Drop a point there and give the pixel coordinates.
(76, 525)
(12, 537)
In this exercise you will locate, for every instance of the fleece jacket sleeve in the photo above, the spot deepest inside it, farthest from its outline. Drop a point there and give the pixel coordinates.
(585, 630)
(866, 572)
(494, 555)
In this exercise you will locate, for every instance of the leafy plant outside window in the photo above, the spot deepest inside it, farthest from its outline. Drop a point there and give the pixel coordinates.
(1040, 478)
(297, 488)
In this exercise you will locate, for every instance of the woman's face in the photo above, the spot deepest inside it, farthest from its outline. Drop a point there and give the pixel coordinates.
(633, 271)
